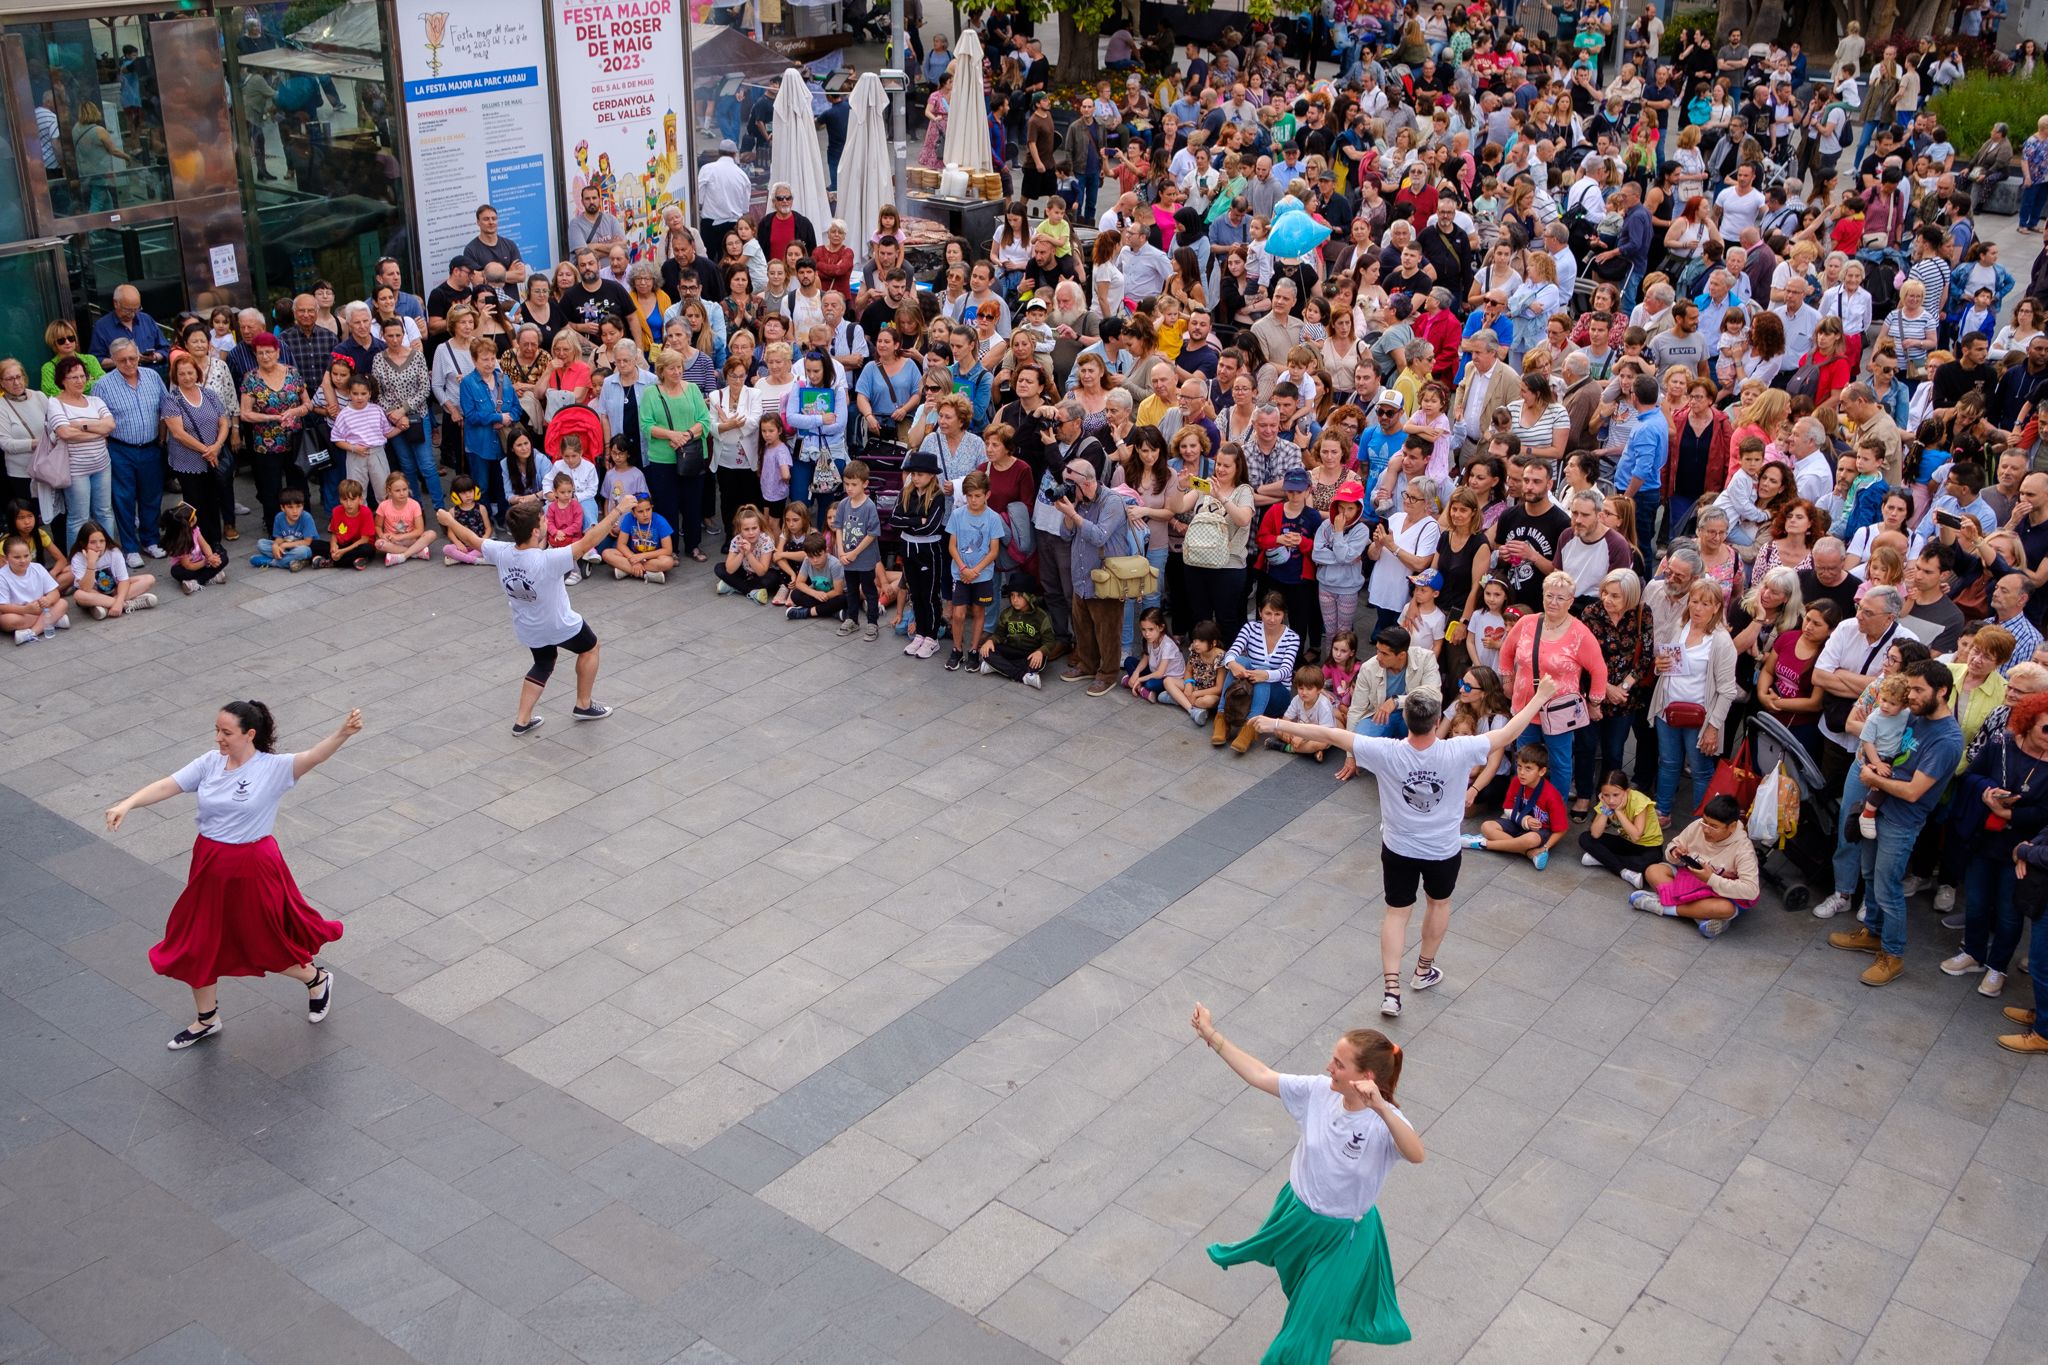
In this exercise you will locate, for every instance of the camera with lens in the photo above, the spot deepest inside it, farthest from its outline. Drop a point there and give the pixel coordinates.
(1066, 490)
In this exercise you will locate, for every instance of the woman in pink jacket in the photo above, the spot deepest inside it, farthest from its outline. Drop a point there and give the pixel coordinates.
(1553, 643)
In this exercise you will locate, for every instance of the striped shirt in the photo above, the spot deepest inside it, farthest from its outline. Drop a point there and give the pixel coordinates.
(137, 407)
(1249, 649)
(1914, 336)
(1539, 432)
(1933, 272)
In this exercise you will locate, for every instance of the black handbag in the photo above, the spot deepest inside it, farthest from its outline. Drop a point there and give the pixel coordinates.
(313, 456)
(692, 458)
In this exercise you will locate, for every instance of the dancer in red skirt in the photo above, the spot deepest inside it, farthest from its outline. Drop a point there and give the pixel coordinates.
(241, 913)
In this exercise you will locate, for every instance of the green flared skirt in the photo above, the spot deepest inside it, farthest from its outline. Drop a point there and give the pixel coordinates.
(1336, 1274)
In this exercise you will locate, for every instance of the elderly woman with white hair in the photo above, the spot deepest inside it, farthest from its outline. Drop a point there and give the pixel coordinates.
(1403, 546)
(1554, 644)
(835, 260)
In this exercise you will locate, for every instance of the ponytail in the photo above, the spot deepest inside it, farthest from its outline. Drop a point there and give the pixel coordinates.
(1373, 1051)
(254, 717)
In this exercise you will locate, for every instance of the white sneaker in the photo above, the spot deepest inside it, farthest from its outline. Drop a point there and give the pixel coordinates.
(24, 637)
(1834, 905)
(1390, 1006)
(1866, 823)
(1944, 899)
(190, 586)
(154, 551)
(142, 603)
(1992, 984)
(1033, 681)
(99, 613)
(1962, 964)
(1588, 860)
(618, 574)
(1913, 886)
(1632, 877)
(656, 577)
(916, 643)
(134, 560)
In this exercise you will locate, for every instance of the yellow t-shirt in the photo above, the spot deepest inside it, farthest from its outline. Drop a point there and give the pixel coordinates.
(1061, 232)
(1640, 807)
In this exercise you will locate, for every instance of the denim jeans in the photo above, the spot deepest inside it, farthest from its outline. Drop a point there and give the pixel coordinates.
(2037, 967)
(267, 558)
(1676, 749)
(2033, 199)
(138, 493)
(1646, 518)
(1560, 749)
(90, 496)
(412, 455)
(1883, 865)
(1992, 924)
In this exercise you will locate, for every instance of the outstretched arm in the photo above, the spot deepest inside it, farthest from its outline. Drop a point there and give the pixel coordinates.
(306, 761)
(1406, 1140)
(1254, 1072)
(607, 525)
(163, 789)
(1299, 729)
(1507, 734)
(457, 532)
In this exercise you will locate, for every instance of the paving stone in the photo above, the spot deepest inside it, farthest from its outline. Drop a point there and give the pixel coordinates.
(978, 1262)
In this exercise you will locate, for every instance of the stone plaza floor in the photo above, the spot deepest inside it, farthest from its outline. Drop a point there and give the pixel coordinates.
(823, 1006)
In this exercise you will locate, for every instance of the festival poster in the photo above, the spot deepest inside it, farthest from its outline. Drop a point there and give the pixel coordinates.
(478, 125)
(619, 68)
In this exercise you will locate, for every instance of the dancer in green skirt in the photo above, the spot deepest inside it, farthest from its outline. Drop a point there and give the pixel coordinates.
(1323, 1233)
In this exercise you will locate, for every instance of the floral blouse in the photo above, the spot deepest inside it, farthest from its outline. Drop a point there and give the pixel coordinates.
(274, 438)
(1626, 646)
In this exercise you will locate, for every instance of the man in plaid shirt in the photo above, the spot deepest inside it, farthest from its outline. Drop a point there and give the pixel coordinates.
(307, 345)
(1268, 457)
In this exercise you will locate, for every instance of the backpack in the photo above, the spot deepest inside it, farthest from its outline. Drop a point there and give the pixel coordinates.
(1207, 543)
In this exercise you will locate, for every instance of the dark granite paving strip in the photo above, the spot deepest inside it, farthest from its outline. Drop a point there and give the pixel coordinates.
(380, 1190)
(832, 1099)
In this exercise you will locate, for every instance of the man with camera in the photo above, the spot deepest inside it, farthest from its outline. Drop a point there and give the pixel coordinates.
(1095, 518)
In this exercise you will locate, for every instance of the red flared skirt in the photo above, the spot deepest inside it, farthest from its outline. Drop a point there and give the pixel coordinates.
(241, 914)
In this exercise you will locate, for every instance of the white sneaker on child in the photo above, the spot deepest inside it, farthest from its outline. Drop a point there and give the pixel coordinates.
(1588, 860)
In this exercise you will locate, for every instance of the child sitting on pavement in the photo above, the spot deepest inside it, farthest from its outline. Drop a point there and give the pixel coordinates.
(1016, 646)
(1147, 674)
(1534, 818)
(1710, 875)
(644, 547)
(819, 588)
(1311, 706)
(1200, 690)
(292, 533)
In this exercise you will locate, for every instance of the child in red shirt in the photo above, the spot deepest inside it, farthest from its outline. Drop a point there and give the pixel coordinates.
(351, 535)
(1534, 819)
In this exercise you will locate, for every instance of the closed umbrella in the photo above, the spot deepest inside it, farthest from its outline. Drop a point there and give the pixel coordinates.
(797, 160)
(867, 177)
(967, 123)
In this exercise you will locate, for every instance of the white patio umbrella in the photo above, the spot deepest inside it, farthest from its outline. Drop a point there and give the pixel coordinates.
(796, 159)
(867, 172)
(967, 122)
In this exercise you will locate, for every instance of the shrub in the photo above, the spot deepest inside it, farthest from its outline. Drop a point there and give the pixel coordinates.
(1970, 107)
(1708, 19)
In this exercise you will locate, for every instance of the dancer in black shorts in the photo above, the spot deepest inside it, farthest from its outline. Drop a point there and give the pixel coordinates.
(1422, 804)
(542, 618)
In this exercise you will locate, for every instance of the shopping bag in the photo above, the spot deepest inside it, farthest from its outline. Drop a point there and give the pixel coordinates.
(1737, 777)
(1763, 812)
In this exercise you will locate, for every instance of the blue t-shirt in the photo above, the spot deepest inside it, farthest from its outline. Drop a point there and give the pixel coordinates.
(283, 527)
(1938, 750)
(645, 539)
(973, 533)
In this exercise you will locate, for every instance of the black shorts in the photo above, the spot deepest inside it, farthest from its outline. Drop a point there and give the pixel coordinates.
(1402, 874)
(582, 642)
(981, 594)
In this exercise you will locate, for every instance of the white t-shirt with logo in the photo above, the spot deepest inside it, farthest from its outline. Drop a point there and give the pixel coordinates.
(1344, 1155)
(237, 807)
(1422, 791)
(532, 579)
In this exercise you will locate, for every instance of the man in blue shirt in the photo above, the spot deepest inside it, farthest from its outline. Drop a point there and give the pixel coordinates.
(129, 323)
(1639, 473)
(135, 397)
(1910, 798)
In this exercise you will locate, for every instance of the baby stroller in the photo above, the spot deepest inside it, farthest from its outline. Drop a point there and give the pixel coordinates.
(884, 460)
(1810, 851)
